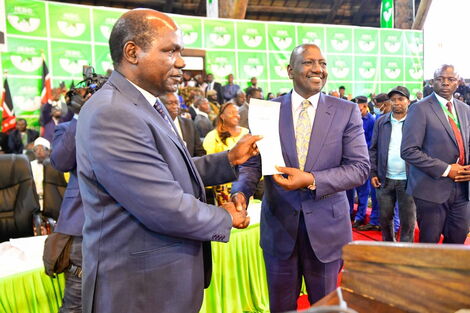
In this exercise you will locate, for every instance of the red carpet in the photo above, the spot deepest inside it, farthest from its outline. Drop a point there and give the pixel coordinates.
(302, 302)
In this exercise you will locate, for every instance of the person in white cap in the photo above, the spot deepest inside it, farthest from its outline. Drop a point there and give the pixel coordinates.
(42, 150)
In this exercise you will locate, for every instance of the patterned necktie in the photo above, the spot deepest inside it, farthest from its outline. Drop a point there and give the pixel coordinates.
(458, 135)
(159, 107)
(303, 130)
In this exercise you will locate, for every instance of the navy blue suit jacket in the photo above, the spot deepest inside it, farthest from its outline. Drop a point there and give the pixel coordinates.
(143, 198)
(339, 160)
(71, 217)
(429, 146)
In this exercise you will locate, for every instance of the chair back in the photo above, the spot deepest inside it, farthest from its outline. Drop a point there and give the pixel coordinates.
(54, 186)
(18, 197)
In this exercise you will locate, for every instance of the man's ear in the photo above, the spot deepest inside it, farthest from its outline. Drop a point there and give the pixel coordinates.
(289, 71)
(130, 52)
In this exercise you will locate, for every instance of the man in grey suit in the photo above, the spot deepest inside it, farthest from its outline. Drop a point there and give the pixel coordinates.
(146, 224)
(305, 213)
(435, 143)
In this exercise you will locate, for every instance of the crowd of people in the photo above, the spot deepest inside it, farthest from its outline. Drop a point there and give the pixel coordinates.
(162, 163)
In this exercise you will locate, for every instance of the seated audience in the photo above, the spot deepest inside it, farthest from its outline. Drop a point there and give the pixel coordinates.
(21, 138)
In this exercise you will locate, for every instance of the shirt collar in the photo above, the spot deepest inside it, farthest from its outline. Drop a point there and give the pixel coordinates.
(147, 95)
(394, 120)
(297, 100)
(444, 101)
(201, 113)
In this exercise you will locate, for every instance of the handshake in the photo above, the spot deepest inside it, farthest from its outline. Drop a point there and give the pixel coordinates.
(237, 209)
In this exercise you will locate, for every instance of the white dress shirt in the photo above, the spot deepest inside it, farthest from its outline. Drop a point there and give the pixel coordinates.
(297, 99)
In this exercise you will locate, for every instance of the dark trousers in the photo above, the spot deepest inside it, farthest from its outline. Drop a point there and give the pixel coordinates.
(72, 302)
(285, 276)
(451, 218)
(388, 194)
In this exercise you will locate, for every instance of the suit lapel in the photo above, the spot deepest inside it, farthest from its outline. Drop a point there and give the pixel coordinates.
(321, 125)
(287, 133)
(136, 97)
(436, 106)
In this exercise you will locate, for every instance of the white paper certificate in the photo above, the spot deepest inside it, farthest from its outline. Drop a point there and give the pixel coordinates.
(263, 118)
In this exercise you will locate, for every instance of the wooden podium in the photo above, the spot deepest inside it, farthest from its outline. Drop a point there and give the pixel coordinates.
(385, 277)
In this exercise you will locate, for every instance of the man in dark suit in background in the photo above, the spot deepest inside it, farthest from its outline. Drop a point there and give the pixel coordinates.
(146, 224)
(21, 138)
(435, 143)
(304, 216)
(213, 85)
(71, 217)
(184, 126)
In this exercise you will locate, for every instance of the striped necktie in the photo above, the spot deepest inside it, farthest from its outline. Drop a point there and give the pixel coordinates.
(303, 130)
(457, 134)
(159, 107)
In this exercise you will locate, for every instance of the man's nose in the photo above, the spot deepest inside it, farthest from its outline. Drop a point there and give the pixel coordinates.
(179, 63)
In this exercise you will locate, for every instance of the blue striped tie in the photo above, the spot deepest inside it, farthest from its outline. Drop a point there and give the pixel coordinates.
(159, 107)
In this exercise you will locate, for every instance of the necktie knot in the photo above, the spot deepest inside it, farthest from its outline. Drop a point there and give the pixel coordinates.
(449, 106)
(305, 104)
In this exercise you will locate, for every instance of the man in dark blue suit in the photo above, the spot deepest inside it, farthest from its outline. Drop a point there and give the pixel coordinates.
(147, 226)
(435, 143)
(71, 216)
(305, 213)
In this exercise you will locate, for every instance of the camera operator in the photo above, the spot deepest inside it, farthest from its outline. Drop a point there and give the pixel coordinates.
(71, 216)
(53, 113)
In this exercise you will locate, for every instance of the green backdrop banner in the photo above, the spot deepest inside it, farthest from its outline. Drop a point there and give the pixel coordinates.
(364, 60)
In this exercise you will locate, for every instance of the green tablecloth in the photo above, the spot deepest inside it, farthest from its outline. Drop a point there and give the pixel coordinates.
(31, 291)
(238, 281)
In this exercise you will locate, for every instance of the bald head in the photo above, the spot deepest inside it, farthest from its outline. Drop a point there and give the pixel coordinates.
(140, 26)
(300, 49)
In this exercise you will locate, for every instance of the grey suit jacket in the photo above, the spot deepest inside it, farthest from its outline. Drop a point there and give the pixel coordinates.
(145, 223)
(429, 146)
(191, 137)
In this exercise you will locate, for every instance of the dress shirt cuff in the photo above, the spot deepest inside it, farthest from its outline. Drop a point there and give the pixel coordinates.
(446, 173)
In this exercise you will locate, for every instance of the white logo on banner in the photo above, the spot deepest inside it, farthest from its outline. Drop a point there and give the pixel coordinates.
(392, 44)
(416, 47)
(416, 72)
(392, 73)
(281, 71)
(366, 44)
(340, 45)
(220, 39)
(252, 41)
(26, 64)
(221, 70)
(282, 42)
(71, 30)
(26, 25)
(367, 73)
(253, 70)
(105, 30)
(340, 70)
